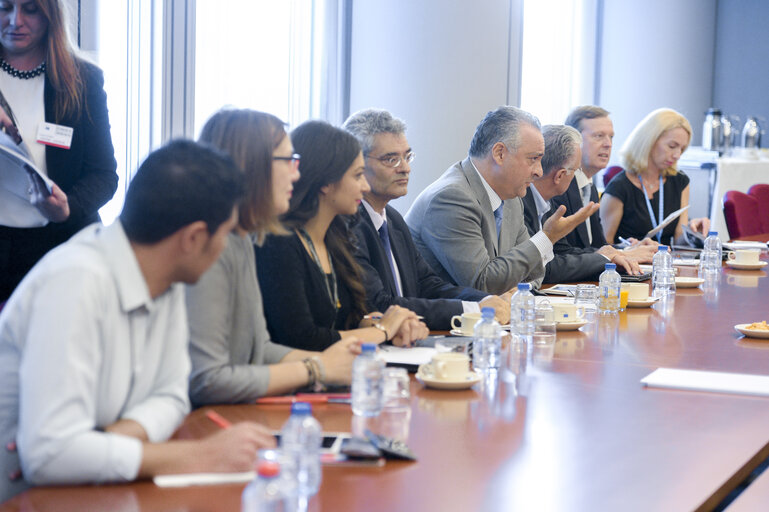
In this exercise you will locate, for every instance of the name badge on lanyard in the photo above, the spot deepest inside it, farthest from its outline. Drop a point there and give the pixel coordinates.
(55, 135)
(655, 222)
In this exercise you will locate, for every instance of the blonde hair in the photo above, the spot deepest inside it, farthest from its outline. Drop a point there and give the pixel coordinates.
(639, 144)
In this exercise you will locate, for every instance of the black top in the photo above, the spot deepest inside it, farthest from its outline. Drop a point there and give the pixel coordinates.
(578, 237)
(635, 220)
(424, 292)
(297, 305)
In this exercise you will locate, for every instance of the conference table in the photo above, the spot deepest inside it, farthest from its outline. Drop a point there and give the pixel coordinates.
(571, 428)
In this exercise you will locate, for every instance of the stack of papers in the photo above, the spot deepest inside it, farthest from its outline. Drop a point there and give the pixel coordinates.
(733, 246)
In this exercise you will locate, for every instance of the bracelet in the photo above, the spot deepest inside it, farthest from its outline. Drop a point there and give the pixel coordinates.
(312, 377)
(320, 370)
(316, 373)
(381, 327)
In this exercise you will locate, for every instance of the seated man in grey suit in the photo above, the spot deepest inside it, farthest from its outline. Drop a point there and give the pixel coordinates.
(561, 161)
(468, 224)
(394, 271)
(597, 132)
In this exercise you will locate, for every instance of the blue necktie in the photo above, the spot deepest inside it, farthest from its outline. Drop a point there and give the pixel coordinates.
(498, 218)
(384, 235)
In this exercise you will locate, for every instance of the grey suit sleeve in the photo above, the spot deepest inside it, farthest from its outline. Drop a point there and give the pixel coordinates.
(453, 230)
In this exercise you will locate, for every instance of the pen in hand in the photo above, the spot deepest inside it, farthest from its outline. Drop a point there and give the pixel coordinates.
(218, 419)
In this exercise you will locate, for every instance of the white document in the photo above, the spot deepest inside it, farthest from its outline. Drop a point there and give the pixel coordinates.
(20, 183)
(699, 380)
(739, 244)
(670, 218)
(412, 356)
(186, 480)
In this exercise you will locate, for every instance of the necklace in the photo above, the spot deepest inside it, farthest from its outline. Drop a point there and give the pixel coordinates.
(24, 75)
(331, 288)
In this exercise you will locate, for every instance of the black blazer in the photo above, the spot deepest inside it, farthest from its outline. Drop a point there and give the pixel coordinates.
(424, 292)
(572, 199)
(569, 263)
(86, 172)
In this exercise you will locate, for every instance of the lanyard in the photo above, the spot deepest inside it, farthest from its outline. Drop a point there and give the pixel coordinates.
(649, 206)
(333, 293)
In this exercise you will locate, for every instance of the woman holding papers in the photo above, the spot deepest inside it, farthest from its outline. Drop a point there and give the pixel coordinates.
(54, 107)
(311, 283)
(650, 188)
(233, 359)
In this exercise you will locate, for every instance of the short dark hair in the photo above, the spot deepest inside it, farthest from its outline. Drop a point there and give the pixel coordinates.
(575, 117)
(500, 125)
(176, 185)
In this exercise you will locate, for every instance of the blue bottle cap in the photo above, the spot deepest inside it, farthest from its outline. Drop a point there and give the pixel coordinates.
(524, 286)
(662, 248)
(368, 347)
(301, 408)
(611, 266)
(487, 312)
(712, 233)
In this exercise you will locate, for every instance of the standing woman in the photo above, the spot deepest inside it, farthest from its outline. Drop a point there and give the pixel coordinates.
(313, 293)
(44, 81)
(650, 188)
(233, 359)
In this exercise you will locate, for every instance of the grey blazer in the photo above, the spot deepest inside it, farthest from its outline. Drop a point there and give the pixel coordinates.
(453, 227)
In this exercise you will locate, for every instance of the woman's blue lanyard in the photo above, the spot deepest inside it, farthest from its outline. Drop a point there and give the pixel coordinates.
(655, 223)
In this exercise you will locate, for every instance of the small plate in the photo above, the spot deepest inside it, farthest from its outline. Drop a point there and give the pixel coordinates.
(688, 282)
(746, 266)
(641, 303)
(570, 326)
(431, 381)
(751, 333)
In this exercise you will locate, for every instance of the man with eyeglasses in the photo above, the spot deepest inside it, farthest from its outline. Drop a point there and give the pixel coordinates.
(394, 271)
(559, 165)
(469, 225)
(597, 132)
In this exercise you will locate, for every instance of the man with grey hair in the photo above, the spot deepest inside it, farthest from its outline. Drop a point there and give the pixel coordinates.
(561, 161)
(468, 224)
(393, 270)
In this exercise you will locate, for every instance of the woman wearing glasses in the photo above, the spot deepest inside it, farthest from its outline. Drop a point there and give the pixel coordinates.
(311, 283)
(233, 359)
(651, 188)
(43, 80)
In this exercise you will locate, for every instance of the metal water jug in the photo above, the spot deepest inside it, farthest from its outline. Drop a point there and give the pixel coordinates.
(713, 130)
(751, 133)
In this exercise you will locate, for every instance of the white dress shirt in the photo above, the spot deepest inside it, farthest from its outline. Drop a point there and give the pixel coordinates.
(82, 345)
(584, 184)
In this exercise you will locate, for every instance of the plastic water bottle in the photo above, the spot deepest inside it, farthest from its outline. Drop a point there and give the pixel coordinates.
(609, 284)
(663, 275)
(300, 442)
(522, 312)
(711, 255)
(367, 372)
(264, 493)
(487, 342)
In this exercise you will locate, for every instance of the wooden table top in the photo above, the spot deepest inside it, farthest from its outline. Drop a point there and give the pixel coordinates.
(576, 431)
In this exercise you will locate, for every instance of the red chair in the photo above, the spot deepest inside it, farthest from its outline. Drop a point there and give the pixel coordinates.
(610, 173)
(761, 193)
(741, 213)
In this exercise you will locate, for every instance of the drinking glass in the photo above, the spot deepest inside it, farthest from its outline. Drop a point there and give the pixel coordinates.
(544, 324)
(395, 389)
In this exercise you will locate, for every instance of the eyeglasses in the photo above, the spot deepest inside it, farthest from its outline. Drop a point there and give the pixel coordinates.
(294, 159)
(394, 160)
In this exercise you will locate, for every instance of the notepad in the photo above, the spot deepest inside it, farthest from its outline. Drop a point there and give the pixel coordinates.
(414, 356)
(698, 380)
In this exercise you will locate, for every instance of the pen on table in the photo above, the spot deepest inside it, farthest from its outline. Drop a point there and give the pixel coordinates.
(379, 317)
(218, 418)
(317, 398)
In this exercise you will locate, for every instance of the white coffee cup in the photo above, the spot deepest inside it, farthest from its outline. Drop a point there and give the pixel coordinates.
(467, 322)
(744, 257)
(450, 365)
(566, 313)
(636, 291)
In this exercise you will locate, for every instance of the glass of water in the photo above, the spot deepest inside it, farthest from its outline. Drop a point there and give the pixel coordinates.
(544, 324)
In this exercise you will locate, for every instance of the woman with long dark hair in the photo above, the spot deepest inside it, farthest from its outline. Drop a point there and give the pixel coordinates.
(313, 294)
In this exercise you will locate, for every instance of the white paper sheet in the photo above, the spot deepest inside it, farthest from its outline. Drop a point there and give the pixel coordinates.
(699, 380)
(186, 480)
(739, 244)
(401, 355)
(670, 218)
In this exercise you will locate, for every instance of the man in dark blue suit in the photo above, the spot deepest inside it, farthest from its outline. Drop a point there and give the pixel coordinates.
(394, 270)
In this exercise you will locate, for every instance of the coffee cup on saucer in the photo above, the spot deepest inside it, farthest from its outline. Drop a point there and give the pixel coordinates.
(450, 366)
(744, 257)
(466, 321)
(568, 313)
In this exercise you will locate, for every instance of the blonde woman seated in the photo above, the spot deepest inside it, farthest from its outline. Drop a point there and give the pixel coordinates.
(233, 358)
(650, 187)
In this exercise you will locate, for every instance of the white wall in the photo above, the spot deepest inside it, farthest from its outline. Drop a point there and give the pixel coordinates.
(439, 66)
(656, 53)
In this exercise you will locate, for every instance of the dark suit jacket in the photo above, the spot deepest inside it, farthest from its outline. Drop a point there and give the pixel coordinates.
(423, 291)
(569, 263)
(572, 199)
(85, 172)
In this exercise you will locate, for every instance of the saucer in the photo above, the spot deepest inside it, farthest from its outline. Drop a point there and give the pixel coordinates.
(688, 282)
(570, 326)
(458, 332)
(641, 303)
(746, 266)
(469, 380)
(751, 333)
